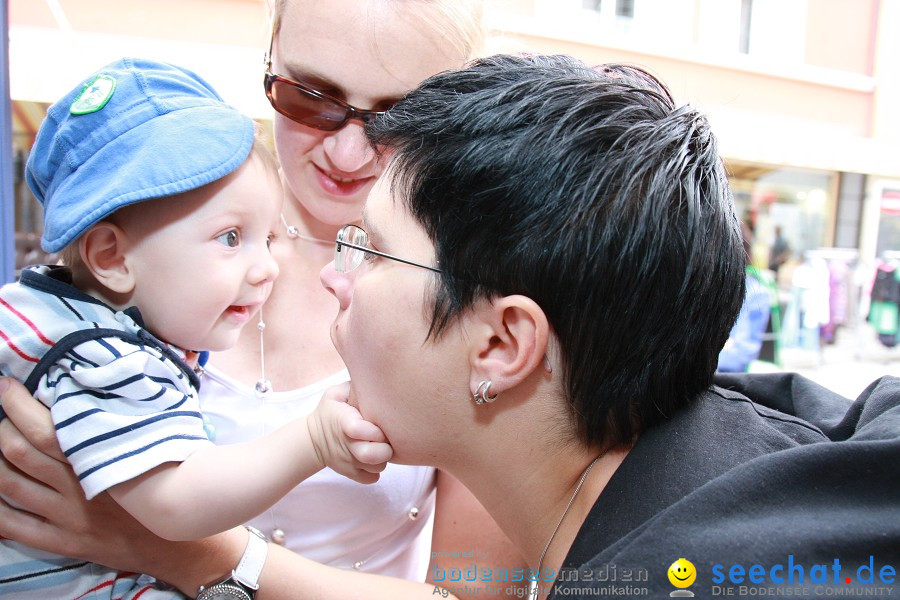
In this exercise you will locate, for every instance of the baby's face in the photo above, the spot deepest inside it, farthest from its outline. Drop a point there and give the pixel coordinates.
(201, 260)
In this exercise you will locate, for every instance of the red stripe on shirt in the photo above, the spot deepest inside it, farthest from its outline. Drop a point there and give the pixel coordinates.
(28, 322)
(142, 592)
(105, 584)
(111, 582)
(17, 350)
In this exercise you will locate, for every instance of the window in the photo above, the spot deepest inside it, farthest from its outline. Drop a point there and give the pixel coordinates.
(802, 202)
(619, 8)
(625, 8)
(744, 39)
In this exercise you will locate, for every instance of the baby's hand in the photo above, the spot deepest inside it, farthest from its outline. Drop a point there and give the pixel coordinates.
(346, 442)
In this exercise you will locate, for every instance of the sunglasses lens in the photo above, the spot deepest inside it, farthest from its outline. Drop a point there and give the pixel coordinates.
(306, 108)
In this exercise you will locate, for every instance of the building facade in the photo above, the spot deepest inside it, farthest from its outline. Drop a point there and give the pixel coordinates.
(803, 94)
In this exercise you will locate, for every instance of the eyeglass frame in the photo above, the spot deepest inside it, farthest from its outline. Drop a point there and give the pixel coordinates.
(338, 243)
(351, 112)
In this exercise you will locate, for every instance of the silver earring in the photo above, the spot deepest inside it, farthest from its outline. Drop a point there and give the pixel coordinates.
(481, 393)
(263, 386)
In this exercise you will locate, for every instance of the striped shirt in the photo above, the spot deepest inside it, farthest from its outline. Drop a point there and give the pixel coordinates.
(123, 402)
(37, 575)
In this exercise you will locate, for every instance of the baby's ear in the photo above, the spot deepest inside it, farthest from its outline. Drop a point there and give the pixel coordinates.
(103, 251)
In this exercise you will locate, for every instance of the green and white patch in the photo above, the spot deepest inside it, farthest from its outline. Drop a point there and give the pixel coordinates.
(94, 96)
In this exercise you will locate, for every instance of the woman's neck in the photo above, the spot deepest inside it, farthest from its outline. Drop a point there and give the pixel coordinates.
(534, 499)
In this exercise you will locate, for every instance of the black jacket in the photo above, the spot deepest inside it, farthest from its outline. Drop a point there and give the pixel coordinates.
(770, 485)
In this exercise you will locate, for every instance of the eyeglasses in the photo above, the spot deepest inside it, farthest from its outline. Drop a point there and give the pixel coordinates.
(305, 105)
(352, 248)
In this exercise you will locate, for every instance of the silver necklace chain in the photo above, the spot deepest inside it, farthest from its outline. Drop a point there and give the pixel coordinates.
(533, 584)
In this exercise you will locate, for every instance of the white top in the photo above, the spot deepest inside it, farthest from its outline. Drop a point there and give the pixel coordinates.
(329, 518)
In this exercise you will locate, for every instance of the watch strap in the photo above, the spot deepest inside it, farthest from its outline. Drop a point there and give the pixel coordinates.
(248, 570)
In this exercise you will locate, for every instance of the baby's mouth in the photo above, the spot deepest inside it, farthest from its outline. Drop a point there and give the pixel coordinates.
(242, 311)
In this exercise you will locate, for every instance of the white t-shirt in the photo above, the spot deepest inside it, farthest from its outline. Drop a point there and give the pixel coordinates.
(383, 527)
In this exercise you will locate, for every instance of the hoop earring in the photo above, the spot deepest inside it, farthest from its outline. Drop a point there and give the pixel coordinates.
(547, 364)
(481, 393)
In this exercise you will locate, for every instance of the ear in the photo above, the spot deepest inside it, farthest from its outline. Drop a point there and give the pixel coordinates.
(103, 251)
(508, 342)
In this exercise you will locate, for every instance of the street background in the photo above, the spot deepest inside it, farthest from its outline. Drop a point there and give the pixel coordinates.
(803, 96)
(848, 366)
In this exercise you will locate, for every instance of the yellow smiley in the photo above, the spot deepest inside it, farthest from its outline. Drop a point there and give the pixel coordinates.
(682, 573)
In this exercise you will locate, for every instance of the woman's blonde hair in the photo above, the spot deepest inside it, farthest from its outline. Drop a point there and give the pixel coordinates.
(459, 22)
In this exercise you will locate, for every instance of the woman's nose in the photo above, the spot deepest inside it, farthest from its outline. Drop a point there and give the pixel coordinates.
(339, 284)
(348, 148)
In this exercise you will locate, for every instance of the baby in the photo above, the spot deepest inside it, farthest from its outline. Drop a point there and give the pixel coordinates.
(110, 339)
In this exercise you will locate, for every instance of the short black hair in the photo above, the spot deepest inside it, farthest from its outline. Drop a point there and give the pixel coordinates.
(591, 192)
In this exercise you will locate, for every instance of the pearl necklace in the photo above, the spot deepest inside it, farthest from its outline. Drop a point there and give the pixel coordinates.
(263, 386)
(533, 584)
(294, 233)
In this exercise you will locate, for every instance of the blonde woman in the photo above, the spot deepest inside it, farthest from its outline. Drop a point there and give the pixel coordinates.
(330, 68)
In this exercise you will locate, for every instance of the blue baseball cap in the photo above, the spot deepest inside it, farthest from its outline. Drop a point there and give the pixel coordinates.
(134, 130)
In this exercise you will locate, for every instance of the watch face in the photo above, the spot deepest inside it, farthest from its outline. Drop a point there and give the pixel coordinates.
(224, 591)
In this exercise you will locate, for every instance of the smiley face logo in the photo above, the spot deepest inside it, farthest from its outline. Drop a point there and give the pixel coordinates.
(682, 573)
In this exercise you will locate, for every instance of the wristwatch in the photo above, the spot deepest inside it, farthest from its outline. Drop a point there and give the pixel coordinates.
(244, 579)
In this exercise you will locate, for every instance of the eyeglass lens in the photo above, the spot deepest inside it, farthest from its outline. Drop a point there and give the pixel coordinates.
(346, 258)
(310, 107)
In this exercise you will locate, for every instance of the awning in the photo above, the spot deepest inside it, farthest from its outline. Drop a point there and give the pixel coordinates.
(46, 63)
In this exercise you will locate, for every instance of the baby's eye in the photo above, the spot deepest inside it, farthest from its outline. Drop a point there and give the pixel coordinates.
(269, 240)
(229, 238)
(369, 256)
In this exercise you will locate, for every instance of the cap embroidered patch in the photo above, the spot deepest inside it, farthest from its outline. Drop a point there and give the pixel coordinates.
(94, 96)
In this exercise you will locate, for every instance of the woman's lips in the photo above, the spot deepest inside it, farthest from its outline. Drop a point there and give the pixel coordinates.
(340, 186)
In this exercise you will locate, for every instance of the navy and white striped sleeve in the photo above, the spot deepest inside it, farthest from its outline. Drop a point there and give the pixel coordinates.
(121, 410)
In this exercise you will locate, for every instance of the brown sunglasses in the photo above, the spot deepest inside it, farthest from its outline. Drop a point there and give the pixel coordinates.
(306, 105)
